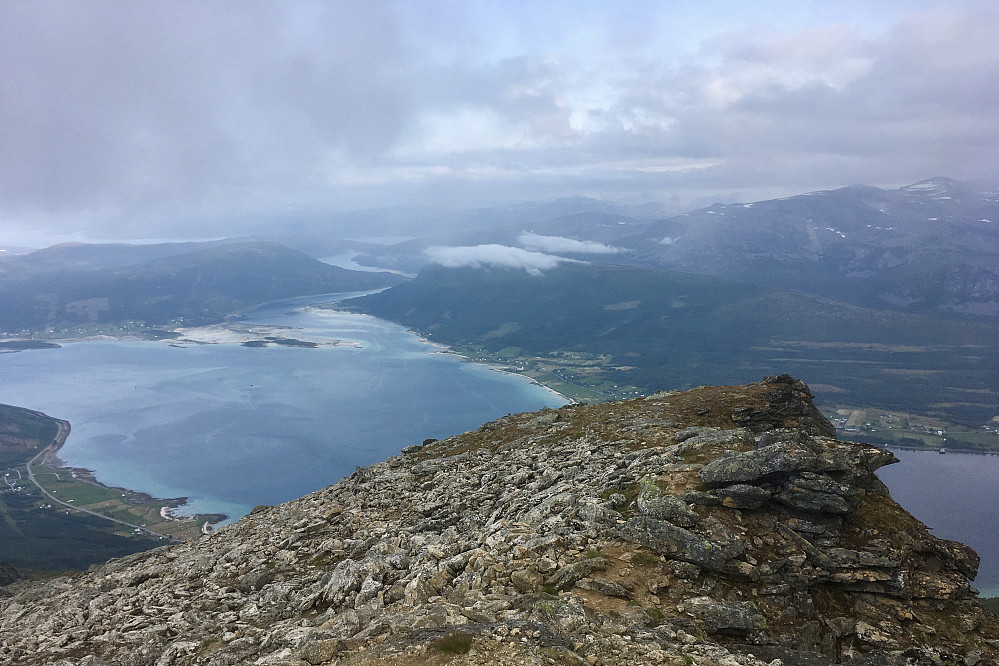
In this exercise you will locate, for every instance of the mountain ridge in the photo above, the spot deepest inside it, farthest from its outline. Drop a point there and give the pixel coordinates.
(649, 329)
(926, 247)
(930, 247)
(723, 526)
(155, 285)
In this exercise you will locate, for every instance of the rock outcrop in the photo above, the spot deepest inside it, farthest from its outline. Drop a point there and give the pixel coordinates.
(721, 526)
(7, 574)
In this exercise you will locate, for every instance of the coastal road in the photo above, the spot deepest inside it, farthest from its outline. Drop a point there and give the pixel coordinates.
(57, 442)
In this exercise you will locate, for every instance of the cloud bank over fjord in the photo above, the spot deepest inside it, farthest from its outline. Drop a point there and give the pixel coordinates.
(534, 241)
(493, 256)
(535, 257)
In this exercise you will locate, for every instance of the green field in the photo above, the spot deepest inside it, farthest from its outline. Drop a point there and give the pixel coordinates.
(578, 376)
(116, 503)
(61, 483)
(878, 426)
(42, 535)
(39, 539)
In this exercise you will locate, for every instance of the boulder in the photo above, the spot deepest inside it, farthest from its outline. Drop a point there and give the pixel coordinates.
(741, 618)
(678, 543)
(652, 502)
(742, 496)
(755, 467)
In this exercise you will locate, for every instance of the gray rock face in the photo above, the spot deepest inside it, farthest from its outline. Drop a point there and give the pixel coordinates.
(743, 496)
(815, 492)
(780, 459)
(806, 474)
(854, 463)
(676, 543)
(626, 533)
(787, 403)
(742, 618)
(654, 504)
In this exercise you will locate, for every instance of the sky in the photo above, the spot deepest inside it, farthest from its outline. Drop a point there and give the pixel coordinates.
(122, 119)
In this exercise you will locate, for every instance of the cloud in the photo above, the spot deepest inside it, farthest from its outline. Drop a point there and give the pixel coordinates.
(132, 118)
(833, 102)
(500, 256)
(122, 109)
(561, 244)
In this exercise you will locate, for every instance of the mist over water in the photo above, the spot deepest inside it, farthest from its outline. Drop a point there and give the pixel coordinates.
(230, 427)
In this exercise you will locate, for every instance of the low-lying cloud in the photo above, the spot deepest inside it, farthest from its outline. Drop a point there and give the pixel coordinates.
(563, 244)
(500, 256)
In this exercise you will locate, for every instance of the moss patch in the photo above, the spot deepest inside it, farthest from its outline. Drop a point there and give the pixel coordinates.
(455, 643)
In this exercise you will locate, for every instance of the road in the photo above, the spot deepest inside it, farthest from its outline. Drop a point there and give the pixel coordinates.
(57, 442)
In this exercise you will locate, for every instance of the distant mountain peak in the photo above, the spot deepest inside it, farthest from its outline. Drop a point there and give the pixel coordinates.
(933, 186)
(203, 282)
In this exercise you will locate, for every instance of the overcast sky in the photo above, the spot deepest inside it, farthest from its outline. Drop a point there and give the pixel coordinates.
(122, 118)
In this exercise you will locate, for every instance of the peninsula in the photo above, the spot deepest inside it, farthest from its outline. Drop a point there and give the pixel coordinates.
(54, 518)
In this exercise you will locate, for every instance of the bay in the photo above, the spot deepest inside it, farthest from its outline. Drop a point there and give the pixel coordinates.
(230, 427)
(957, 496)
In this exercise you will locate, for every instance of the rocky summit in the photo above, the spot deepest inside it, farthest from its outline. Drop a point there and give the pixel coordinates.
(720, 526)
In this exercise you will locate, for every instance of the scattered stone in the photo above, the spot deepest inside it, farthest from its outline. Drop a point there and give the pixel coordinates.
(701, 527)
(605, 587)
(526, 581)
(684, 570)
(569, 575)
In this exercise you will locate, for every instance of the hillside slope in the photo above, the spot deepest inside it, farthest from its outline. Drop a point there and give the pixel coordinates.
(36, 541)
(930, 247)
(201, 283)
(684, 528)
(23, 432)
(656, 329)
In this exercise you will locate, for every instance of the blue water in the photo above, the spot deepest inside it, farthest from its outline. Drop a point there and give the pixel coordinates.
(957, 496)
(230, 427)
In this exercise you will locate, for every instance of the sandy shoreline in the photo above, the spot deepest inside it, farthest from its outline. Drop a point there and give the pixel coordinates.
(265, 335)
(444, 349)
(256, 334)
(441, 348)
(238, 333)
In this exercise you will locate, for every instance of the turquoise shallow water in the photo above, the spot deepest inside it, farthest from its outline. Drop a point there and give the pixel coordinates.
(230, 427)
